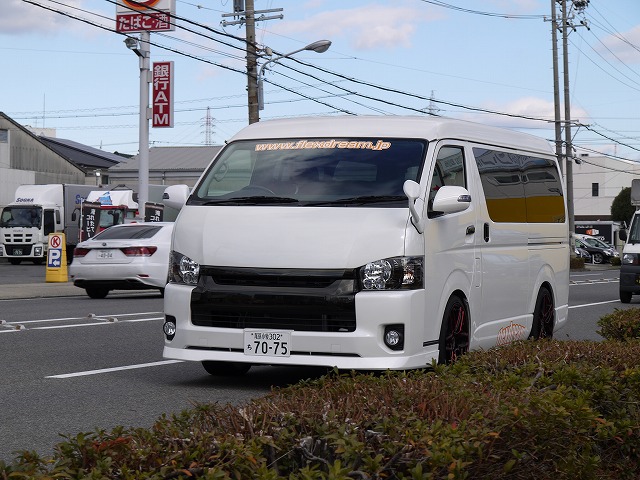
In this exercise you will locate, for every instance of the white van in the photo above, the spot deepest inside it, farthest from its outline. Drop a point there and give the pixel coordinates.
(366, 243)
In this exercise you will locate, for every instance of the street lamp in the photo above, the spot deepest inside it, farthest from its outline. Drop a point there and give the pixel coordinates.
(142, 49)
(319, 46)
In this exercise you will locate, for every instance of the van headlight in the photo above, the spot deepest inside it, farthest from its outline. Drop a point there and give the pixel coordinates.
(182, 269)
(393, 274)
(630, 259)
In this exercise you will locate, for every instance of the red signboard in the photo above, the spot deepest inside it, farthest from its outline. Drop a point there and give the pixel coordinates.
(145, 15)
(143, 22)
(162, 94)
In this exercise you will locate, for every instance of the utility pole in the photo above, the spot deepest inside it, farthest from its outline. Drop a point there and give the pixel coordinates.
(567, 23)
(556, 85)
(247, 15)
(252, 63)
(568, 148)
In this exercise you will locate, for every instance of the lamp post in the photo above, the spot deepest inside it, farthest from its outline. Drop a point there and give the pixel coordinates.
(319, 46)
(142, 50)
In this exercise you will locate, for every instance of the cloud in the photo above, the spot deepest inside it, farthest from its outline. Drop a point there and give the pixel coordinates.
(532, 107)
(365, 28)
(623, 46)
(18, 17)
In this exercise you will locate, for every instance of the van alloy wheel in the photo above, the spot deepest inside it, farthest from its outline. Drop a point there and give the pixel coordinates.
(454, 335)
(543, 315)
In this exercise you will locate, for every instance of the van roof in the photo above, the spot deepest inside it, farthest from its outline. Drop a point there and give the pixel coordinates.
(393, 126)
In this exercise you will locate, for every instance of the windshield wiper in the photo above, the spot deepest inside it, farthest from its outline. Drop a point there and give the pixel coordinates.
(253, 200)
(363, 200)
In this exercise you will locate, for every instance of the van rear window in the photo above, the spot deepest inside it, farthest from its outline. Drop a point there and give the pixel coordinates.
(313, 171)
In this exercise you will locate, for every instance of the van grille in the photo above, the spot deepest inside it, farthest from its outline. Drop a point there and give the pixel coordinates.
(291, 299)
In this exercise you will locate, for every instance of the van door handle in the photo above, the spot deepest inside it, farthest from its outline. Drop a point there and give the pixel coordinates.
(486, 232)
(471, 229)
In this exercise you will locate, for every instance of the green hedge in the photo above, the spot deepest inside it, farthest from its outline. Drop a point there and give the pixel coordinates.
(548, 409)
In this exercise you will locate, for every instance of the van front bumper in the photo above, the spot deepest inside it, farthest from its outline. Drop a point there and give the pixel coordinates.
(335, 345)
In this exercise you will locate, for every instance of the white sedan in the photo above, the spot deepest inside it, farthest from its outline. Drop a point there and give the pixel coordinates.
(132, 256)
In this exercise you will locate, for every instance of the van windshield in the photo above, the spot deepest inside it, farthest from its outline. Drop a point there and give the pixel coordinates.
(312, 171)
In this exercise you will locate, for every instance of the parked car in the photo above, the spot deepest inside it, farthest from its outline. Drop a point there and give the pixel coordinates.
(132, 256)
(599, 251)
(582, 253)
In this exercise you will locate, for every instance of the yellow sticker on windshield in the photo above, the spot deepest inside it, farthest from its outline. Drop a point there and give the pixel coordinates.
(317, 144)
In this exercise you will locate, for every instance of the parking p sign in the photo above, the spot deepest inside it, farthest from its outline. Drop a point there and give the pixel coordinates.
(56, 258)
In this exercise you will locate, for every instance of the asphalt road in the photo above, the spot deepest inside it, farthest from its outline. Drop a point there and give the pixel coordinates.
(70, 364)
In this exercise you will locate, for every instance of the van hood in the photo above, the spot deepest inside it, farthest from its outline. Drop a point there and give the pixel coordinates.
(290, 237)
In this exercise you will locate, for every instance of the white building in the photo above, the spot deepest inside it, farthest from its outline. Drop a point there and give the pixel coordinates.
(597, 181)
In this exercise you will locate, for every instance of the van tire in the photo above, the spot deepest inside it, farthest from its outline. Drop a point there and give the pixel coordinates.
(226, 369)
(454, 333)
(625, 297)
(544, 315)
(96, 292)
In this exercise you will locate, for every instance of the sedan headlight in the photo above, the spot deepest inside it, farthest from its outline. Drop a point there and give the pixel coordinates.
(182, 269)
(630, 259)
(393, 274)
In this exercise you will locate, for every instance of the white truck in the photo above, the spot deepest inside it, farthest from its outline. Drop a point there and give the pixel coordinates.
(630, 266)
(37, 211)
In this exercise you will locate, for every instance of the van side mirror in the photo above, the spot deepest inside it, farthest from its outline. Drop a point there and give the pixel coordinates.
(412, 191)
(175, 196)
(451, 199)
(622, 235)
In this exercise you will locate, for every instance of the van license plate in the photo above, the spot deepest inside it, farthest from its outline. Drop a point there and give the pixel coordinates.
(269, 343)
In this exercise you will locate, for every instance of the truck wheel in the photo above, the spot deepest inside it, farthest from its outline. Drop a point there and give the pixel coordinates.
(543, 315)
(38, 261)
(625, 297)
(15, 261)
(454, 334)
(226, 369)
(96, 292)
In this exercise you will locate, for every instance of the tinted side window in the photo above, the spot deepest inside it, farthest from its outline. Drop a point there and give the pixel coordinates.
(520, 188)
(448, 170)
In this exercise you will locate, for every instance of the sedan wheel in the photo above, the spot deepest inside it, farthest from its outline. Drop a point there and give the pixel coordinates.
(598, 258)
(96, 292)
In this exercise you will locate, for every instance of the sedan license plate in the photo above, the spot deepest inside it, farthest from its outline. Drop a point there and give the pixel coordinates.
(273, 343)
(105, 253)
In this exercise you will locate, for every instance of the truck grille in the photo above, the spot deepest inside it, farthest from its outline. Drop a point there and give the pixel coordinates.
(18, 238)
(291, 299)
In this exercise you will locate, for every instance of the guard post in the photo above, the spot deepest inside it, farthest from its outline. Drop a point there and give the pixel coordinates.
(57, 259)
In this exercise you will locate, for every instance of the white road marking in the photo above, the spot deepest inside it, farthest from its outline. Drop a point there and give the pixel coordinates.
(114, 369)
(104, 322)
(592, 304)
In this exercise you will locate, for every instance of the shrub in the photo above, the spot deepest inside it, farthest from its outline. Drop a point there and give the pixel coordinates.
(546, 409)
(616, 261)
(576, 263)
(621, 325)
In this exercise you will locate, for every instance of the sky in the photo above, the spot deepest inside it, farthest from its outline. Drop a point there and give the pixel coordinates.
(488, 61)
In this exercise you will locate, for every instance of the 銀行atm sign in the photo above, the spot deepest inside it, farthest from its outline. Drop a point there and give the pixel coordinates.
(162, 95)
(145, 15)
